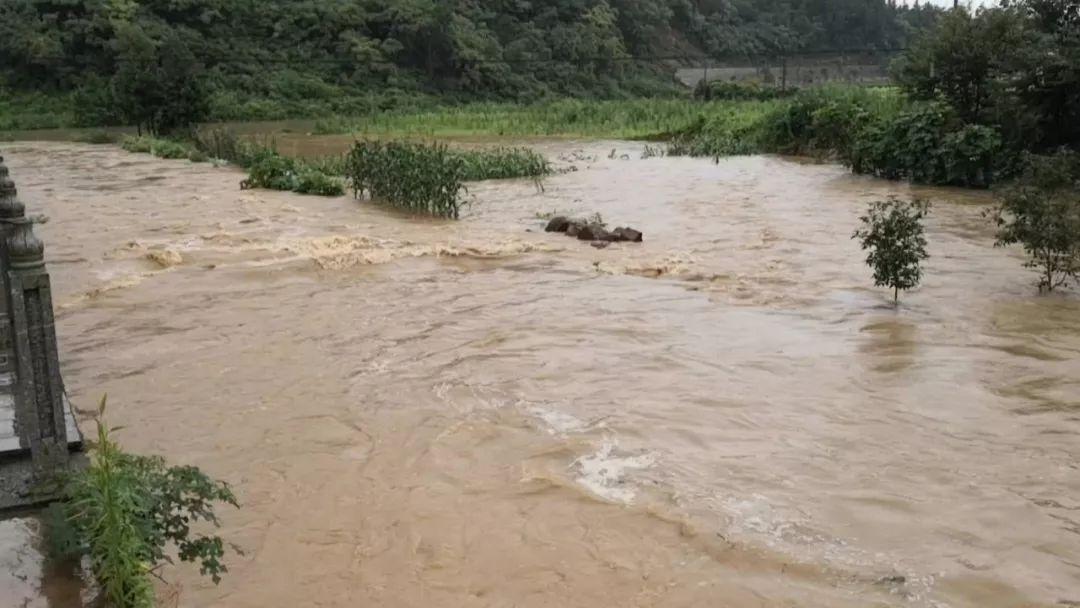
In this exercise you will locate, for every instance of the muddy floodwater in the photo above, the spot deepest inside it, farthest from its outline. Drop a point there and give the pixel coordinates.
(422, 413)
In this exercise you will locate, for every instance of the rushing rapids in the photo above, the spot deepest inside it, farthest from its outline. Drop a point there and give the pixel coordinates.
(419, 412)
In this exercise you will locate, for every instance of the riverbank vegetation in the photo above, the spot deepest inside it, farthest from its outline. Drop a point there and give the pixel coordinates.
(124, 512)
(156, 64)
(1041, 212)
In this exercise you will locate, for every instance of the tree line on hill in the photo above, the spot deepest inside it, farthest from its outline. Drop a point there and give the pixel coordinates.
(258, 58)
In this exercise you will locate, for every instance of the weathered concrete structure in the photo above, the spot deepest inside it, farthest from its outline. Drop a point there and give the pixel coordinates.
(37, 429)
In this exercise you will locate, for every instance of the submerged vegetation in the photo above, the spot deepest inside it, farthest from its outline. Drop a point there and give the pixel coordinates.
(266, 167)
(430, 178)
(1041, 212)
(124, 511)
(892, 233)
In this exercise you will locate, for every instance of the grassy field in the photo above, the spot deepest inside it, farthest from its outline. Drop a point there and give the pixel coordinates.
(627, 119)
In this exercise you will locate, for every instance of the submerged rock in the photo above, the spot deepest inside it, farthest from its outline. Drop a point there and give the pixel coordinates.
(628, 234)
(586, 230)
(593, 232)
(558, 224)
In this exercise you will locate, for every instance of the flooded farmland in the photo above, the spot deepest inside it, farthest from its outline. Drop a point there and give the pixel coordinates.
(419, 412)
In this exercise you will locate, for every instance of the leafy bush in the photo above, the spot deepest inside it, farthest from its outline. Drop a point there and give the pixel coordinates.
(893, 232)
(162, 148)
(738, 91)
(313, 181)
(1041, 212)
(124, 511)
(271, 170)
(928, 144)
(140, 145)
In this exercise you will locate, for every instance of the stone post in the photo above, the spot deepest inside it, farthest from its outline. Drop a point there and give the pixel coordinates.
(39, 390)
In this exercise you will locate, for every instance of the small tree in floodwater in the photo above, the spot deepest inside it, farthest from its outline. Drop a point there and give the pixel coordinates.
(893, 233)
(1042, 213)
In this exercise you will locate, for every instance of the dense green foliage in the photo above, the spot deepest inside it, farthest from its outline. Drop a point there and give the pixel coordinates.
(124, 511)
(419, 178)
(1015, 69)
(892, 232)
(429, 178)
(1041, 212)
(979, 91)
(707, 90)
(271, 170)
(164, 63)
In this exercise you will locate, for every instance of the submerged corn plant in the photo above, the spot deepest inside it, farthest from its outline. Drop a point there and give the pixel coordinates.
(420, 178)
(123, 511)
(503, 163)
(429, 178)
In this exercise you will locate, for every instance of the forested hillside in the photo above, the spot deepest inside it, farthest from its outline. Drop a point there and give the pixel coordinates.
(267, 57)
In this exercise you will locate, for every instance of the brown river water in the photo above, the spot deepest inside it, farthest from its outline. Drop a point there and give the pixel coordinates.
(420, 413)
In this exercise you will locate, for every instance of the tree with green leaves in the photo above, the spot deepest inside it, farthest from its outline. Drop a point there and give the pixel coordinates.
(893, 234)
(1041, 212)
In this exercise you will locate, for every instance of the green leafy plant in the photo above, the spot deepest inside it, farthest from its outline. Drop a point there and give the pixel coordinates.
(503, 163)
(893, 233)
(1041, 212)
(271, 170)
(124, 512)
(739, 91)
(420, 178)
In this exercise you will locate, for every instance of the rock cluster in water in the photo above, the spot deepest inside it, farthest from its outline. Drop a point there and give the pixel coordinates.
(592, 231)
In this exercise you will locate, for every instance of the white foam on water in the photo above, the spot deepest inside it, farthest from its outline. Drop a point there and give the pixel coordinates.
(606, 474)
(558, 423)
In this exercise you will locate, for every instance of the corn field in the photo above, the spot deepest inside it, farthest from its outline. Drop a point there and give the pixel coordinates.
(430, 178)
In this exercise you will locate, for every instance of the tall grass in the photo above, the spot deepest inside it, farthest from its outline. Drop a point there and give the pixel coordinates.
(627, 119)
(502, 163)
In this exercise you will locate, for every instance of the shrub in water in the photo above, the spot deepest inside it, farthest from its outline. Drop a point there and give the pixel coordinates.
(1041, 212)
(893, 233)
(123, 512)
(271, 170)
(140, 145)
